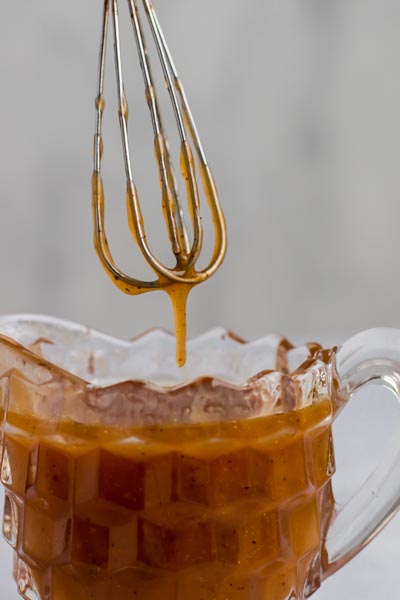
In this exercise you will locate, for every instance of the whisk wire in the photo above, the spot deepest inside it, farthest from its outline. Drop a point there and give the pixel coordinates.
(100, 104)
(205, 172)
(187, 162)
(171, 206)
(188, 117)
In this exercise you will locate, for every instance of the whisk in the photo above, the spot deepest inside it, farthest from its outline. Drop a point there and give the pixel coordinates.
(180, 279)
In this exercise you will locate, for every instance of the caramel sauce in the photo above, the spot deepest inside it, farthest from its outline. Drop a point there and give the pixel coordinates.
(178, 295)
(216, 511)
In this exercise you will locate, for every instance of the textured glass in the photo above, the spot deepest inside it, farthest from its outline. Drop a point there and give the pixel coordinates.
(128, 478)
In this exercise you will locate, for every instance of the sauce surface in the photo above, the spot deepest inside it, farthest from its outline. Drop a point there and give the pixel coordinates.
(218, 511)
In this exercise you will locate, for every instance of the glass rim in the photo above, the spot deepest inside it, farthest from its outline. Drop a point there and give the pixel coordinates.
(27, 333)
(304, 377)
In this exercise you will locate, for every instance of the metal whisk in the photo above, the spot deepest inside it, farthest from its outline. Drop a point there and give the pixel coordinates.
(178, 280)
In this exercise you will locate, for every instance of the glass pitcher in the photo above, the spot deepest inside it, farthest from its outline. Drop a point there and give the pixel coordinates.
(126, 477)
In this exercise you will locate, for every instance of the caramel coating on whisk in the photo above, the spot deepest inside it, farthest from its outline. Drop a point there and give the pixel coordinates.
(178, 281)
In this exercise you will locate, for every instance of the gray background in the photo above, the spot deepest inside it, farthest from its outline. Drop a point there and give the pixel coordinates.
(298, 102)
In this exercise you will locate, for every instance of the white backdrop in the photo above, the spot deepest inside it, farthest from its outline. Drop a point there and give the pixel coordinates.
(299, 108)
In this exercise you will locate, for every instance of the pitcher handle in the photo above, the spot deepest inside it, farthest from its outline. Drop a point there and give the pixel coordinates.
(373, 355)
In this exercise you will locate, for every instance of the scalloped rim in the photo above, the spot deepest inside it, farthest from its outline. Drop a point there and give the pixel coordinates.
(284, 347)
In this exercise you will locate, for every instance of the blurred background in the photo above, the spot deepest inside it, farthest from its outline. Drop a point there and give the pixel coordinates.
(298, 104)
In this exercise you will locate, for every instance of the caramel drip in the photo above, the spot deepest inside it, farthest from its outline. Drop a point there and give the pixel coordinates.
(178, 295)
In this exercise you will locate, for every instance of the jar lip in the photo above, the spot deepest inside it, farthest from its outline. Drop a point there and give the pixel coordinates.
(93, 358)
